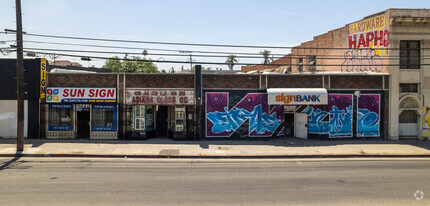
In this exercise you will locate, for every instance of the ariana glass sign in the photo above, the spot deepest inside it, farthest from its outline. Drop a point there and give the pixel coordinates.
(160, 97)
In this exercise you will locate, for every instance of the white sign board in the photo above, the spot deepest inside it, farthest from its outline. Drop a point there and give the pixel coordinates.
(80, 95)
(297, 96)
(159, 96)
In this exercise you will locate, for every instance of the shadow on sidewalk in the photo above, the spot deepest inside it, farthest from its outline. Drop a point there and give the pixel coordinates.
(204, 144)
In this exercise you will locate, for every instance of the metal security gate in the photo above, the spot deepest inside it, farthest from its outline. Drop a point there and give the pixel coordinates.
(408, 125)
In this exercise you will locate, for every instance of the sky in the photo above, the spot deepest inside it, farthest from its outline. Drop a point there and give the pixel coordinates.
(238, 22)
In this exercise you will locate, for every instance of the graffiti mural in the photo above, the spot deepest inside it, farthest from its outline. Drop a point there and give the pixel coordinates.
(250, 112)
(362, 60)
(367, 42)
(368, 115)
(334, 119)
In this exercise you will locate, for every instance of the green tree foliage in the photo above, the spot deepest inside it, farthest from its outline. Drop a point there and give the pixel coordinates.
(135, 65)
(266, 55)
(231, 60)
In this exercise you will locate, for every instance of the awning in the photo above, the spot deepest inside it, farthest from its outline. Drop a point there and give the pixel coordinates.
(297, 96)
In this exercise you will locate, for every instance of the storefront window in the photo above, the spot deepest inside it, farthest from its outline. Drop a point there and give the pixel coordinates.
(149, 117)
(103, 118)
(179, 118)
(60, 117)
(139, 117)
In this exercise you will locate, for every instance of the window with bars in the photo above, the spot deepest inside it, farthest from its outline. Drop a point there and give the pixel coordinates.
(139, 117)
(300, 64)
(312, 63)
(410, 88)
(410, 55)
(103, 118)
(60, 117)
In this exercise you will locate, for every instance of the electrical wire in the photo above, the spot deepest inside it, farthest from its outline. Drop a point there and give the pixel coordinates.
(214, 63)
(197, 55)
(192, 44)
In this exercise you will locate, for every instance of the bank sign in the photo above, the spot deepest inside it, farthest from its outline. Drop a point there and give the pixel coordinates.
(80, 95)
(159, 96)
(299, 96)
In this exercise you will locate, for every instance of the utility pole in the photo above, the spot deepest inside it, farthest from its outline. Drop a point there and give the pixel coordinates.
(191, 58)
(191, 61)
(20, 79)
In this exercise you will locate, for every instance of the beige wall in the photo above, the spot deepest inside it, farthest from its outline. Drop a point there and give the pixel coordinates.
(8, 118)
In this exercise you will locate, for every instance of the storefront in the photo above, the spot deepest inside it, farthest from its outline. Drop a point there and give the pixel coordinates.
(161, 112)
(81, 113)
(296, 122)
(318, 113)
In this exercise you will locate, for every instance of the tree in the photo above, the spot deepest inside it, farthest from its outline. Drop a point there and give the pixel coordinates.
(134, 65)
(172, 70)
(266, 55)
(163, 71)
(114, 64)
(231, 60)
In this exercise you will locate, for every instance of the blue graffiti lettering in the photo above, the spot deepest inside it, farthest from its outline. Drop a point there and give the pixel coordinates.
(339, 125)
(231, 120)
(367, 123)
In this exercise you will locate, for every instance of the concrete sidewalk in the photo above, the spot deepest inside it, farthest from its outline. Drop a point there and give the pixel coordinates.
(166, 148)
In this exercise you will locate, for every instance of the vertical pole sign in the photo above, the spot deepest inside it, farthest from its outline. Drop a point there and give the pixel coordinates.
(42, 78)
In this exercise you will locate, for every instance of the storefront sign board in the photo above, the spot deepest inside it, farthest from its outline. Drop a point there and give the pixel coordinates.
(80, 95)
(160, 97)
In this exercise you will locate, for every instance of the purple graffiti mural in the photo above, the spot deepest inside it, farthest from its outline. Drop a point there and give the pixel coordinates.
(223, 122)
(334, 119)
(368, 115)
(340, 115)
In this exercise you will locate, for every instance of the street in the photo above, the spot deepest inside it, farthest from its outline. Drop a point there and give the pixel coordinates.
(103, 181)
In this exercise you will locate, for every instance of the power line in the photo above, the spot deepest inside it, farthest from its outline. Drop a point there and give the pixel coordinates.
(138, 48)
(193, 44)
(197, 55)
(214, 63)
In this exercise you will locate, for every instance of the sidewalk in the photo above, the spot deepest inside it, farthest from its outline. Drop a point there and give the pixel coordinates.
(167, 148)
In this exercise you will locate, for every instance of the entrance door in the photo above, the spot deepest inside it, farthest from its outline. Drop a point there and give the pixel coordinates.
(162, 116)
(83, 123)
(408, 125)
(289, 124)
(301, 125)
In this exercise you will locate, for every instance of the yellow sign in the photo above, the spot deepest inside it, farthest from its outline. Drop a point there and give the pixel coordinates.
(426, 121)
(42, 78)
(372, 24)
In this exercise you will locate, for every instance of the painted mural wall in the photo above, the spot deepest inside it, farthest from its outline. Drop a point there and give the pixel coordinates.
(336, 119)
(230, 114)
(242, 114)
(367, 43)
(368, 115)
(426, 121)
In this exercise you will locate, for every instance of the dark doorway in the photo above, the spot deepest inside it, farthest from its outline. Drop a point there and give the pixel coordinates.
(83, 122)
(162, 116)
(289, 124)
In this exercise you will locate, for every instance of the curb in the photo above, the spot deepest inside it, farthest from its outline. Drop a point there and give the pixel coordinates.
(222, 157)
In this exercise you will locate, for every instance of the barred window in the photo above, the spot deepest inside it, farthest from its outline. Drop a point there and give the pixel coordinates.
(409, 54)
(60, 117)
(139, 117)
(103, 118)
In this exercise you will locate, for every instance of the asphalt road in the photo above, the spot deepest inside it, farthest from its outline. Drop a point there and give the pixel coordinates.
(60, 181)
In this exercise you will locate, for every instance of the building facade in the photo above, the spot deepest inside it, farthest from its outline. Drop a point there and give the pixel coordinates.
(393, 42)
(34, 81)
